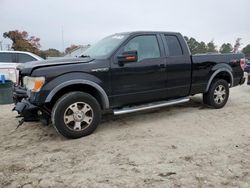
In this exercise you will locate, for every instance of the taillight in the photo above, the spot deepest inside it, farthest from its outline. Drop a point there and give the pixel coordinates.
(243, 64)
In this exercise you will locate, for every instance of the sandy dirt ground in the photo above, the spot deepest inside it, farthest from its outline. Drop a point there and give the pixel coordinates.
(181, 146)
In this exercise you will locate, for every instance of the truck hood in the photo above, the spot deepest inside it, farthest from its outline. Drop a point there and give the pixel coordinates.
(27, 68)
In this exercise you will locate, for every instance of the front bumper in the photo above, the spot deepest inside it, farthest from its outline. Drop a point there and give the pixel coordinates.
(23, 106)
(19, 93)
(26, 110)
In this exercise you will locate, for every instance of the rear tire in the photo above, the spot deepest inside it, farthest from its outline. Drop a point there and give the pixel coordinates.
(217, 95)
(76, 114)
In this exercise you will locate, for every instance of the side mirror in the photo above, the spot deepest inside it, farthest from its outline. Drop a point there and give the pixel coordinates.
(127, 57)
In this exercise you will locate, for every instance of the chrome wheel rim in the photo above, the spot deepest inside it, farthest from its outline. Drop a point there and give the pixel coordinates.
(78, 116)
(220, 94)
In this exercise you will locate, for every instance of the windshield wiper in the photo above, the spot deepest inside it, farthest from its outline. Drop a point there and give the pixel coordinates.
(84, 55)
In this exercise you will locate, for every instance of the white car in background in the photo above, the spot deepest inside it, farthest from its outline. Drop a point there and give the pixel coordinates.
(9, 60)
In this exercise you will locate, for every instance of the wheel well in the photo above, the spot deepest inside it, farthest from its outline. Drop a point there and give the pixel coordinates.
(76, 87)
(225, 76)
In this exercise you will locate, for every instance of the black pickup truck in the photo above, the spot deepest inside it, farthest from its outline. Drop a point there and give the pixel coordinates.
(123, 73)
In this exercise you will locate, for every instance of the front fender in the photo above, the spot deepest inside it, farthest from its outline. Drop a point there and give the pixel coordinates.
(53, 86)
(104, 97)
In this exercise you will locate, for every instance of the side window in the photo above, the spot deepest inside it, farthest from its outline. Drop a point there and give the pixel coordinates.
(174, 46)
(23, 58)
(6, 58)
(146, 47)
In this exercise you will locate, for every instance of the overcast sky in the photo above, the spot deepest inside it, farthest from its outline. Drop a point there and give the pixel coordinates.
(86, 21)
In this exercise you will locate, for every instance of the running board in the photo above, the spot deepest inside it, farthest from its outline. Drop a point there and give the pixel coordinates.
(148, 106)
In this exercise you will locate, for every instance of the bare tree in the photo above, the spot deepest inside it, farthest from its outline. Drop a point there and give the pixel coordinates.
(237, 45)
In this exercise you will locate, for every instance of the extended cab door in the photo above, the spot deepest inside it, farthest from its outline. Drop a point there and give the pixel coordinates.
(143, 80)
(178, 68)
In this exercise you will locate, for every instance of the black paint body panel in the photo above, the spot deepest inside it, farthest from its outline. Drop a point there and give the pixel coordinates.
(138, 82)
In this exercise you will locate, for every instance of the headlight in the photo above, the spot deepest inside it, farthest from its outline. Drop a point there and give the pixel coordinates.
(33, 84)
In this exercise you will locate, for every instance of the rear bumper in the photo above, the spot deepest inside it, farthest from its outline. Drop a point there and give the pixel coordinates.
(242, 81)
(247, 69)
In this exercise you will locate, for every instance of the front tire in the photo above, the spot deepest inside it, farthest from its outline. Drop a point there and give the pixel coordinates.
(217, 95)
(76, 114)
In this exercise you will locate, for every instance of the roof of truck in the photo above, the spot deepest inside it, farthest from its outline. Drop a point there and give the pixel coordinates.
(149, 32)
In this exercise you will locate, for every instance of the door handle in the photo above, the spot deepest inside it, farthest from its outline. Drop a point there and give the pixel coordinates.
(162, 66)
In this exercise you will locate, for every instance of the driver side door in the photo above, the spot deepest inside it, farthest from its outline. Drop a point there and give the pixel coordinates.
(143, 80)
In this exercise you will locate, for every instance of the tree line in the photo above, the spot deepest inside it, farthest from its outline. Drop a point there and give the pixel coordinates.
(23, 42)
(210, 47)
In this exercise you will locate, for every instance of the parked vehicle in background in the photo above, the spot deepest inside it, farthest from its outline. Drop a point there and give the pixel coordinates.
(124, 73)
(10, 59)
(247, 69)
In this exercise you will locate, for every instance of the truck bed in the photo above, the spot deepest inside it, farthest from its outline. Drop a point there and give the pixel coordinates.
(203, 66)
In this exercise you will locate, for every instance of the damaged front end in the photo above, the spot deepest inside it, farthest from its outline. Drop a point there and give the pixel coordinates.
(28, 110)
(24, 108)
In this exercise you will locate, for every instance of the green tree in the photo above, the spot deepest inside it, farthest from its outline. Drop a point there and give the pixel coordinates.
(246, 51)
(22, 41)
(202, 47)
(211, 47)
(226, 48)
(193, 44)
